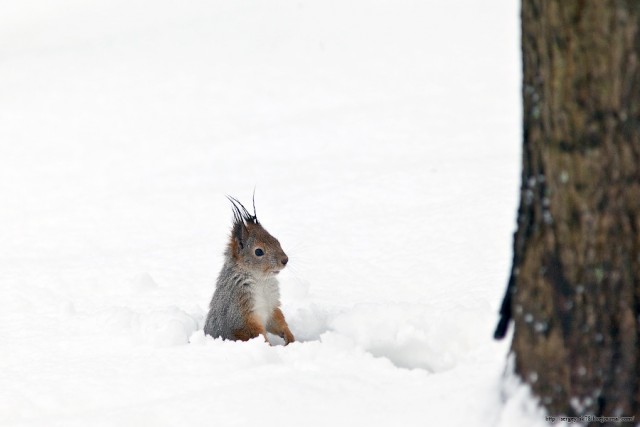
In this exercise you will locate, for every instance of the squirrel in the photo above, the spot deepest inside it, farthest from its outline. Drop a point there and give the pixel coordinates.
(246, 302)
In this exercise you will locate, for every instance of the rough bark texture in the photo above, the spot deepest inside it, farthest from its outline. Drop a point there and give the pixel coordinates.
(574, 292)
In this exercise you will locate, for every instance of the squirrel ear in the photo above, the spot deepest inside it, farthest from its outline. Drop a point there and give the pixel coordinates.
(240, 233)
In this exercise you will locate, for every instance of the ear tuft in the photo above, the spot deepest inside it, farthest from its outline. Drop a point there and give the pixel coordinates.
(241, 218)
(241, 214)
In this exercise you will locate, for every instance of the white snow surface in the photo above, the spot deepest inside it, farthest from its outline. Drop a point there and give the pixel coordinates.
(383, 139)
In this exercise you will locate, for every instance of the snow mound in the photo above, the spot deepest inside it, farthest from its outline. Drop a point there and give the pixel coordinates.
(308, 323)
(164, 327)
(411, 336)
(143, 282)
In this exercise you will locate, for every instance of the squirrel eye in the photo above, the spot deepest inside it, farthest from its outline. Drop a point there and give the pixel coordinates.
(259, 252)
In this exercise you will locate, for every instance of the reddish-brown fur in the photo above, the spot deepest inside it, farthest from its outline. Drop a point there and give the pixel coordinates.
(278, 326)
(235, 248)
(252, 328)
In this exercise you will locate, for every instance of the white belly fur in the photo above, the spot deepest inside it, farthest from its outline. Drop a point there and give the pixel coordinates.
(266, 297)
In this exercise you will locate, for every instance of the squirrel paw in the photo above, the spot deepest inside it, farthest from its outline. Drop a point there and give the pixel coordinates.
(288, 338)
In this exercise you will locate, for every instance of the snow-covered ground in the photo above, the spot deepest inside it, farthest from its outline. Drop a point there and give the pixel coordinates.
(383, 139)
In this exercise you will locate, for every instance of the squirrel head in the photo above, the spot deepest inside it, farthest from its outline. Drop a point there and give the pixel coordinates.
(251, 247)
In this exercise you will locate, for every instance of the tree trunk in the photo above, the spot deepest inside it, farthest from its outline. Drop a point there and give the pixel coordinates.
(574, 291)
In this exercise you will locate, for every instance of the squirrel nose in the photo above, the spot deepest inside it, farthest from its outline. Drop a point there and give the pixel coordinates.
(285, 260)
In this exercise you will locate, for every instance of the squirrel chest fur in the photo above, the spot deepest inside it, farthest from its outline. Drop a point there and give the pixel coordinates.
(246, 302)
(266, 298)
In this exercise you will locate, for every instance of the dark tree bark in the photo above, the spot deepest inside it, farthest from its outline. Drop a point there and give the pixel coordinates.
(574, 290)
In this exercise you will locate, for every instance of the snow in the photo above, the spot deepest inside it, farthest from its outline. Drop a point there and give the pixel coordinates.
(383, 139)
